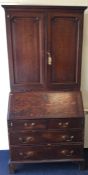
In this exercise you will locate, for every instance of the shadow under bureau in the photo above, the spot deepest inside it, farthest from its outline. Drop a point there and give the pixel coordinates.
(45, 127)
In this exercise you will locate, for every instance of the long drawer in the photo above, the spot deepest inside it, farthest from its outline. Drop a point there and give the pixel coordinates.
(46, 152)
(61, 123)
(44, 137)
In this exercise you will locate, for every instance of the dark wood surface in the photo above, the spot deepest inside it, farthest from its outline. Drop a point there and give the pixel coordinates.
(79, 9)
(63, 35)
(36, 33)
(45, 135)
(46, 152)
(50, 123)
(45, 105)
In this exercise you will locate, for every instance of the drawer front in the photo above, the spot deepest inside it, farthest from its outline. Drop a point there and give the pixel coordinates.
(46, 152)
(46, 123)
(37, 137)
(65, 123)
(27, 124)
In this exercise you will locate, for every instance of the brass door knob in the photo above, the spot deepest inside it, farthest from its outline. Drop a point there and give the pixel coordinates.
(49, 59)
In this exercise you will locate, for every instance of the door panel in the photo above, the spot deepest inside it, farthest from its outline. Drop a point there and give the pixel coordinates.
(28, 50)
(63, 46)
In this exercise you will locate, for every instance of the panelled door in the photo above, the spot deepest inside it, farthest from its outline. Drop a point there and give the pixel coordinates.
(64, 43)
(26, 38)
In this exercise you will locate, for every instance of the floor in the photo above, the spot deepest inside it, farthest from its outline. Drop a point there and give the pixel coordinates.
(40, 169)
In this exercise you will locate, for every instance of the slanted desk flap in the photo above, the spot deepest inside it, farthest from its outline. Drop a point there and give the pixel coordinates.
(45, 105)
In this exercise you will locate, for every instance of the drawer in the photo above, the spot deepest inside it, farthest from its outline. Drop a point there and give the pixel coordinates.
(65, 123)
(53, 152)
(44, 137)
(45, 123)
(27, 124)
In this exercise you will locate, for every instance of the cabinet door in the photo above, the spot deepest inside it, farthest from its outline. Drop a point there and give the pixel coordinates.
(26, 50)
(64, 50)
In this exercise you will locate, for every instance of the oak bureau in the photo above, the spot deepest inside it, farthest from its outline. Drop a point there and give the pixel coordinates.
(45, 110)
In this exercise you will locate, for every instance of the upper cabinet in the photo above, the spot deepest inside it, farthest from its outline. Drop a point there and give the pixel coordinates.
(44, 47)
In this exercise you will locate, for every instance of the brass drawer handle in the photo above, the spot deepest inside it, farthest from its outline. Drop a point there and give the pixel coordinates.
(63, 152)
(26, 124)
(63, 124)
(67, 138)
(29, 154)
(20, 139)
(29, 138)
(64, 137)
(21, 154)
(66, 124)
(33, 124)
(67, 152)
(49, 144)
(70, 138)
(70, 153)
(25, 140)
(60, 123)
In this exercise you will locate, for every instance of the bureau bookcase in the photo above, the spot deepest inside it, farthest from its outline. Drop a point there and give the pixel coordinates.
(45, 111)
